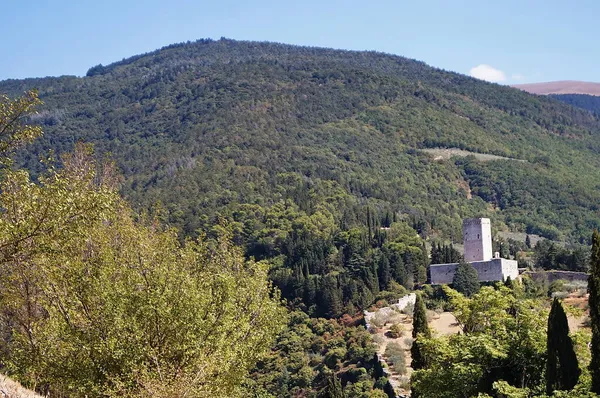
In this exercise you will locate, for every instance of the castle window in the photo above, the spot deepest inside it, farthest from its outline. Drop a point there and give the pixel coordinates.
(477, 236)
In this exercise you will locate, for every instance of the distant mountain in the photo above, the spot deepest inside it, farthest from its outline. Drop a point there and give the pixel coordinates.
(561, 87)
(225, 127)
(584, 101)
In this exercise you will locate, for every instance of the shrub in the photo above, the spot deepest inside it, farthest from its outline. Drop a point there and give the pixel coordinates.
(395, 331)
(395, 354)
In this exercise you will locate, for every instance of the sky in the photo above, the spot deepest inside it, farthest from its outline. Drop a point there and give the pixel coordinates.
(509, 41)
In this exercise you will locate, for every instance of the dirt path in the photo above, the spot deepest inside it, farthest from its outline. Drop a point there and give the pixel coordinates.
(383, 319)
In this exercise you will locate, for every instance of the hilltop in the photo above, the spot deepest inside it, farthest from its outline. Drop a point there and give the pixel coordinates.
(561, 87)
(209, 128)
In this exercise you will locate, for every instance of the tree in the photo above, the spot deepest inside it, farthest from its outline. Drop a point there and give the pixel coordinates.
(509, 282)
(503, 338)
(465, 279)
(333, 389)
(98, 301)
(420, 330)
(594, 304)
(562, 368)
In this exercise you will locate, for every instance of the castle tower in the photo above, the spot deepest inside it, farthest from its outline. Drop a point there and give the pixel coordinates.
(477, 238)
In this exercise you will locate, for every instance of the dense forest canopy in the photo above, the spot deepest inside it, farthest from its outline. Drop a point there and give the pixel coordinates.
(585, 101)
(209, 126)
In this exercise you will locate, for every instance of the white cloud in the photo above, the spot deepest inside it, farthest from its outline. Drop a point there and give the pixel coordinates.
(489, 73)
(517, 76)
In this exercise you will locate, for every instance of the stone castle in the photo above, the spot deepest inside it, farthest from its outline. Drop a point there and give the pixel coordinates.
(477, 237)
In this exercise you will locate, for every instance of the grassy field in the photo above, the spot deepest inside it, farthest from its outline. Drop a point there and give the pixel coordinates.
(447, 153)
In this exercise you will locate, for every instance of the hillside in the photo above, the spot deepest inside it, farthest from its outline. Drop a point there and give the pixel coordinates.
(235, 128)
(561, 87)
(584, 101)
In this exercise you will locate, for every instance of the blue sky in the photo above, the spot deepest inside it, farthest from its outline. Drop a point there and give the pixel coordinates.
(507, 41)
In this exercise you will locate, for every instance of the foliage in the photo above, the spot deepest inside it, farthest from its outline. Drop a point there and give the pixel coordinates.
(585, 101)
(14, 130)
(395, 331)
(396, 355)
(562, 368)
(420, 331)
(550, 255)
(466, 280)
(209, 127)
(315, 356)
(95, 301)
(445, 254)
(503, 339)
(594, 304)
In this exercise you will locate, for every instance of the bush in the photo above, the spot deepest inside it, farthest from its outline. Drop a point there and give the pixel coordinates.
(395, 331)
(334, 357)
(395, 354)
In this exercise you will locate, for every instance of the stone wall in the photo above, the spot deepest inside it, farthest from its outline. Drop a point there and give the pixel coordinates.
(497, 269)
(442, 274)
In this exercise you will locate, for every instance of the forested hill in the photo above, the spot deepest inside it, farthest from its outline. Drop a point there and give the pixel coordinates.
(269, 134)
(585, 101)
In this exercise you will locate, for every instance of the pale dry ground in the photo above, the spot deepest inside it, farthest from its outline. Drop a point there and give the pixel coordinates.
(397, 380)
(443, 324)
(440, 324)
(447, 153)
(11, 389)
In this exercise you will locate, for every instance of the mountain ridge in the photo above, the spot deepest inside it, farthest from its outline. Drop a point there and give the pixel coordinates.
(209, 126)
(561, 87)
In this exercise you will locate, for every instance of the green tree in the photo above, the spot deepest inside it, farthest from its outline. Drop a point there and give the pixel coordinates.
(420, 331)
(562, 368)
(509, 282)
(499, 332)
(333, 389)
(594, 303)
(100, 302)
(465, 279)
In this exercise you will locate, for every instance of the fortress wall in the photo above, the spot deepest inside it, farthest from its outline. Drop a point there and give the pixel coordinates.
(496, 269)
(442, 274)
(510, 268)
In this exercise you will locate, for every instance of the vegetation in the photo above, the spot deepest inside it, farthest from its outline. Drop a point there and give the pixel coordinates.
(585, 101)
(550, 255)
(594, 303)
(254, 162)
(503, 338)
(562, 368)
(227, 128)
(466, 280)
(96, 301)
(315, 356)
(420, 330)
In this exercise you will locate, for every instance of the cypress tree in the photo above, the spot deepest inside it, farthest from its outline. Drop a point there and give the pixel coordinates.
(420, 328)
(333, 389)
(562, 368)
(466, 280)
(594, 304)
(384, 271)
